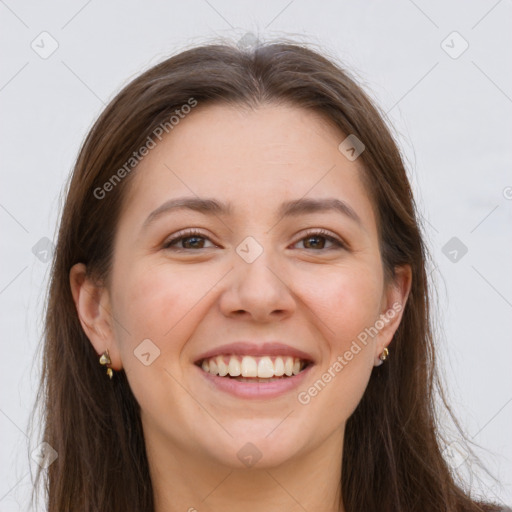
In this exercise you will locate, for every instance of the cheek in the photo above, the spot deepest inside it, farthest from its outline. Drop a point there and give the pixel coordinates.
(148, 300)
(348, 305)
(160, 304)
(156, 310)
(347, 300)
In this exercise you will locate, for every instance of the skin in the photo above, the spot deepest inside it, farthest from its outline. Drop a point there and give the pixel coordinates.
(302, 291)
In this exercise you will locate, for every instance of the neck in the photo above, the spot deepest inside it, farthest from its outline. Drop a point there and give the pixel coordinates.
(184, 481)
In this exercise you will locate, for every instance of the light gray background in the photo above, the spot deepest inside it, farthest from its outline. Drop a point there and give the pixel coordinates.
(452, 118)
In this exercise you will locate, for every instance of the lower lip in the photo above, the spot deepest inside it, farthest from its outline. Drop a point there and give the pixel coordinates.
(256, 389)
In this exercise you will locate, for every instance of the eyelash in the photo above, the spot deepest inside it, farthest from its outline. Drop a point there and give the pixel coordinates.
(193, 233)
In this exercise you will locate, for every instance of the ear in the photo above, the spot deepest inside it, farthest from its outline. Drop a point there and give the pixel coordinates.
(92, 302)
(392, 307)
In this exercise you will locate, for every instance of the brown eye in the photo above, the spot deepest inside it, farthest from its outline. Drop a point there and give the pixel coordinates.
(189, 239)
(316, 240)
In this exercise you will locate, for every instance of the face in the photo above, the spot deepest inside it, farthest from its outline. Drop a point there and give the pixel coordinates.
(269, 284)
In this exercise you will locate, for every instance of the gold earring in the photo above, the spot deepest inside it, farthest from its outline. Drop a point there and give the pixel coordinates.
(105, 360)
(384, 354)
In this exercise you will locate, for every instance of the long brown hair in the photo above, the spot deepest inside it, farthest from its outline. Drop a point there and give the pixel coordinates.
(392, 458)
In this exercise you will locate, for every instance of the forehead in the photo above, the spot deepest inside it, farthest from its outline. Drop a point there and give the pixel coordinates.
(253, 159)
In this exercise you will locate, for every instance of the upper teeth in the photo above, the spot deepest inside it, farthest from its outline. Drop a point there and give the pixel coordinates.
(248, 366)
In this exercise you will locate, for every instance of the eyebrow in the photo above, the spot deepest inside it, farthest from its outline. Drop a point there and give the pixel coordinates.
(293, 208)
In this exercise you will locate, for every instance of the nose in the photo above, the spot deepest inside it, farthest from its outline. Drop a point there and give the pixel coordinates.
(259, 290)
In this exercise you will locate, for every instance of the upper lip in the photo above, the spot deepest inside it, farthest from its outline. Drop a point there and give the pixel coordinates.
(248, 348)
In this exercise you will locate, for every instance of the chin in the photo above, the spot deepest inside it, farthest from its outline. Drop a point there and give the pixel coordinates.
(260, 448)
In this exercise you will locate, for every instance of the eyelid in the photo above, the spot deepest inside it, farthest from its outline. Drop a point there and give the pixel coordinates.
(185, 233)
(338, 242)
(335, 239)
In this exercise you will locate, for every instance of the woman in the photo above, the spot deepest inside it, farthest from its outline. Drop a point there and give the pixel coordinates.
(238, 314)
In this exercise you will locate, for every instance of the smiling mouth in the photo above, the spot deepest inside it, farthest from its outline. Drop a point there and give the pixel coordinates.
(253, 369)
